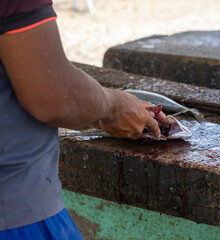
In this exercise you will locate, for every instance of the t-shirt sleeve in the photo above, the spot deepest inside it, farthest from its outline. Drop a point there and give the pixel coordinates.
(20, 15)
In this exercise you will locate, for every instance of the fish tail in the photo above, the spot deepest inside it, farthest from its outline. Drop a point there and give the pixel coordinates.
(195, 113)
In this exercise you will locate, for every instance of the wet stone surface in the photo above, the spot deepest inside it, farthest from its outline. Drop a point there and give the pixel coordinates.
(176, 177)
(188, 57)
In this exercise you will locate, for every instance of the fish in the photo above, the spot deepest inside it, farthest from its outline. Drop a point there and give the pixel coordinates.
(168, 104)
(171, 130)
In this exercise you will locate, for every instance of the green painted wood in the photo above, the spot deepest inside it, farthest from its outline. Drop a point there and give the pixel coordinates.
(113, 221)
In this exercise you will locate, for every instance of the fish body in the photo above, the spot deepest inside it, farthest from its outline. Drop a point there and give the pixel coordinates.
(168, 104)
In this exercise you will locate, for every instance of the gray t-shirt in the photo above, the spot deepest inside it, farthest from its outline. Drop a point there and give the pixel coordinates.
(30, 190)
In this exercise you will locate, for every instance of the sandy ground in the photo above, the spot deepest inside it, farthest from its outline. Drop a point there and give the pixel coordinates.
(87, 36)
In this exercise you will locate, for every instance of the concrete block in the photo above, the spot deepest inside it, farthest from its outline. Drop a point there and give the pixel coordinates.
(188, 57)
(179, 178)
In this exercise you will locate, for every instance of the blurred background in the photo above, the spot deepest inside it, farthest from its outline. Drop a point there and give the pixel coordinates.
(86, 36)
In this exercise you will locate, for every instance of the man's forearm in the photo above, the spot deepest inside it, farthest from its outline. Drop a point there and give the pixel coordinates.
(81, 101)
(47, 85)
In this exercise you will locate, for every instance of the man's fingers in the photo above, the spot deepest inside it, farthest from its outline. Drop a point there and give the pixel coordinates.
(147, 105)
(152, 125)
(152, 114)
(162, 117)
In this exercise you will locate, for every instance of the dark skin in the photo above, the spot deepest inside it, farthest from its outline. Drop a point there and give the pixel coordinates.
(55, 92)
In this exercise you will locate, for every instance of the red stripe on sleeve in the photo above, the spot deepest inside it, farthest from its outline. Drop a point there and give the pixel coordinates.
(31, 26)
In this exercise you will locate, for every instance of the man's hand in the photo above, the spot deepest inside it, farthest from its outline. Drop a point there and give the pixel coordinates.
(129, 117)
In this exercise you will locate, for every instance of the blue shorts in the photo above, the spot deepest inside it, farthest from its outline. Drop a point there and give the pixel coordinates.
(58, 227)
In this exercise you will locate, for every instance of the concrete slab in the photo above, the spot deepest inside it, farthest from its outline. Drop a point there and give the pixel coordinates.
(179, 178)
(189, 57)
(186, 94)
